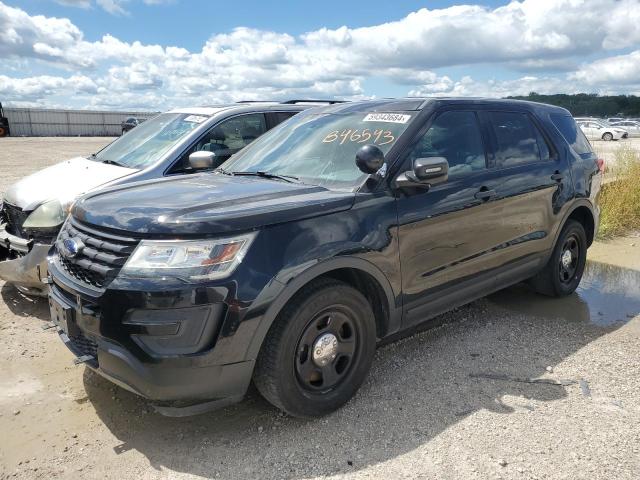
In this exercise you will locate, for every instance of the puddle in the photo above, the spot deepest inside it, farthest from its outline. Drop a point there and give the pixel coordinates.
(608, 295)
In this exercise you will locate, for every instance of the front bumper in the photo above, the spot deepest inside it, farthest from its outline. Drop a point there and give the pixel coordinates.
(103, 335)
(22, 263)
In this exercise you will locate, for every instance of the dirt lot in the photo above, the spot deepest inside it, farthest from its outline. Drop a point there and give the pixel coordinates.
(456, 401)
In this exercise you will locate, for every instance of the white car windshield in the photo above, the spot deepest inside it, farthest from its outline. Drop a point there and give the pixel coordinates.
(320, 149)
(146, 143)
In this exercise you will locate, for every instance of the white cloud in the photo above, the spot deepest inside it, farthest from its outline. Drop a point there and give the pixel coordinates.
(543, 41)
(618, 70)
(75, 3)
(113, 6)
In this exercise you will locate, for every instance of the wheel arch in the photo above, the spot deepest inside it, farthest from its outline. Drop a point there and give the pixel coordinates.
(584, 215)
(356, 272)
(582, 212)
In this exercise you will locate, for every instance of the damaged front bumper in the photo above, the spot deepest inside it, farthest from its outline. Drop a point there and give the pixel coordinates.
(23, 262)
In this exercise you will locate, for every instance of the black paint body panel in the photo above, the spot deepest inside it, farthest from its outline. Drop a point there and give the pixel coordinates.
(427, 251)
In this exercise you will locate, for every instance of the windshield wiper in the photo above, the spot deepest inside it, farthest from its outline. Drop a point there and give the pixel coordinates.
(222, 171)
(113, 162)
(286, 178)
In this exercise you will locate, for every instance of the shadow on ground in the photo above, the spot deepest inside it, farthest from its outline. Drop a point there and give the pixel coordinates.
(418, 387)
(24, 305)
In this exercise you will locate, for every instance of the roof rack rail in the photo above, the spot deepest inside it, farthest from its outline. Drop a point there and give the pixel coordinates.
(329, 102)
(257, 101)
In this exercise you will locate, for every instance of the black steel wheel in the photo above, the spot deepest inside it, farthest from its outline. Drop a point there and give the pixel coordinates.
(563, 272)
(326, 350)
(569, 258)
(318, 350)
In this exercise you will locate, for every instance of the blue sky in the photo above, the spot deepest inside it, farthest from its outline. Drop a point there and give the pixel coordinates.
(157, 54)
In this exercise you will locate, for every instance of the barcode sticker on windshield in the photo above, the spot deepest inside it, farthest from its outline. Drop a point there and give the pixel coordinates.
(195, 118)
(387, 117)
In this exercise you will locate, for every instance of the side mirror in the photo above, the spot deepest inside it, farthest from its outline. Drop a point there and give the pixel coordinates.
(201, 160)
(426, 172)
(433, 169)
(369, 159)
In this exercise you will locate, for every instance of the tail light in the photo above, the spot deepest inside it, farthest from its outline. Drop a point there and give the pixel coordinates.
(600, 163)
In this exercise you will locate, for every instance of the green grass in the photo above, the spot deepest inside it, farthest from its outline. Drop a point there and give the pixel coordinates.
(620, 196)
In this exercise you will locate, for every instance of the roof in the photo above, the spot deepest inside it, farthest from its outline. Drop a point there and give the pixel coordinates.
(201, 110)
(419, 103)
(246, 106)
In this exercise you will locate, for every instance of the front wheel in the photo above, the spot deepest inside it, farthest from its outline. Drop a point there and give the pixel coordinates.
(607, 137)
(563, 272)
(318, 351)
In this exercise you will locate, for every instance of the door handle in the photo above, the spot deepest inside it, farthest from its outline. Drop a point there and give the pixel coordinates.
(557, 177)
(485, 194)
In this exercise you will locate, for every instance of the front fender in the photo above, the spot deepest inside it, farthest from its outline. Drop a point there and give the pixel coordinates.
(288, 283)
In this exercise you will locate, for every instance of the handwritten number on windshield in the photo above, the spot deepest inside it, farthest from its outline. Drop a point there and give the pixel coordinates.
(380, 137)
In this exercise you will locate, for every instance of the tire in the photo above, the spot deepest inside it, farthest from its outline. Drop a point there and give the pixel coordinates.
(3, 132)
(607, 137)
(563, 272)
(296, 371)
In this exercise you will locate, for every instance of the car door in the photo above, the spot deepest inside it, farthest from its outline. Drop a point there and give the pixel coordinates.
(632, 127)
(446, 234)
(225, 138)
(534, 181)
(588, 130)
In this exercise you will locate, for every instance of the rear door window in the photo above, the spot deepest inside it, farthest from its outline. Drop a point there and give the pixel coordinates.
(279, 117)
(518, 140)
(567, 127)
(454, 135)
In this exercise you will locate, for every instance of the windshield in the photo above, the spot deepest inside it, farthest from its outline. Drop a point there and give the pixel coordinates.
(146, 143)
(320, 149)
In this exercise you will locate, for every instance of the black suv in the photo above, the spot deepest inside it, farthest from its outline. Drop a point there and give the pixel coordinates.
(129, 124)
(341, 227)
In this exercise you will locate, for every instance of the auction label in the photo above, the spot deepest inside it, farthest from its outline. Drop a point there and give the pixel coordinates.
(387, 117)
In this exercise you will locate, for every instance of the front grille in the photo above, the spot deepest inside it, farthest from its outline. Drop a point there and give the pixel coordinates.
(15, 218)
(101, 258)
(84, 346)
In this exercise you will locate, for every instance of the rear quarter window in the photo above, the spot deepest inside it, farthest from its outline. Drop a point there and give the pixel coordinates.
(566, 125)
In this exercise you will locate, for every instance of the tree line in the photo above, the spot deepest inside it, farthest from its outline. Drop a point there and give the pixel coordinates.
(590, 104)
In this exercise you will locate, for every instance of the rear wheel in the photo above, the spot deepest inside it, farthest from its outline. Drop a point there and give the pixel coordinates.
(562, 274)
(607, 137)
(318, 351)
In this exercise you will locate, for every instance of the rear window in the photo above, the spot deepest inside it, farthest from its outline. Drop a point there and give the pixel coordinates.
(566, 125)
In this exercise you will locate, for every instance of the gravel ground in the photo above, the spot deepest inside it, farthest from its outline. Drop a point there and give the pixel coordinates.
(455, 401)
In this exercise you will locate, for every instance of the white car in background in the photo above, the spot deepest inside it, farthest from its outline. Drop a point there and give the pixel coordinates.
(631, 126)
(596, 130)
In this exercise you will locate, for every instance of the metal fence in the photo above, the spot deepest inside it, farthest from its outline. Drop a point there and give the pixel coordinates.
(37, 122)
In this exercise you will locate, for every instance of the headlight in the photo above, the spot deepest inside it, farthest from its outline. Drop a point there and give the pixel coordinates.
(48, 215)
(189, 260)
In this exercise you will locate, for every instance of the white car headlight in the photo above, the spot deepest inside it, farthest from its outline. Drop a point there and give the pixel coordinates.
(188, 259)
(48, 215)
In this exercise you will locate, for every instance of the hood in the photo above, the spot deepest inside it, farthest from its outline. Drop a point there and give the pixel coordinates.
(206, 204)
(64, 181)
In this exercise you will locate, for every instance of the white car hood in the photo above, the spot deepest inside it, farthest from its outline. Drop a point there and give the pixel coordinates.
(64, 181)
